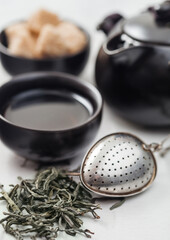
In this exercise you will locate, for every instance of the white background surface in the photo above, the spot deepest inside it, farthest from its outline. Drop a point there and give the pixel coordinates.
(143, 217)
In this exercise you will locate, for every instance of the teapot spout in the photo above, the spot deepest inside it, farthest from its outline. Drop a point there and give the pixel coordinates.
(109, 22)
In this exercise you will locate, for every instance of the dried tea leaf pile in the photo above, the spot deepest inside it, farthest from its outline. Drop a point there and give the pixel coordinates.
(46, 205)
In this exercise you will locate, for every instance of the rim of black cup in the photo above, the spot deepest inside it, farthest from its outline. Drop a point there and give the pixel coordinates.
(86, 85)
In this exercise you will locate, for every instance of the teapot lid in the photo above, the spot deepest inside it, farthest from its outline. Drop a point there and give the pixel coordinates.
(152, 26)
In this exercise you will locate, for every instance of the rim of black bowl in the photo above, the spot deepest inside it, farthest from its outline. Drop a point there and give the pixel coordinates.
(98, 98)
(6, 51)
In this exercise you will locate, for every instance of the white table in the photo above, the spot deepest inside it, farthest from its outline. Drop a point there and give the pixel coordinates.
(142, 217)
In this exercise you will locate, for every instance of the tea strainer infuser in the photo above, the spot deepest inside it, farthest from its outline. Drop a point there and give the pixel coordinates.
(119, 165)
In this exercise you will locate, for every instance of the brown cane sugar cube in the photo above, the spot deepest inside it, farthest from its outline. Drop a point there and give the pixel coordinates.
(20, 29)
(22, 47)
(20, 41)
(74, 39)
(16, 29)
(49, 43)
(41, 18)
(60, 40)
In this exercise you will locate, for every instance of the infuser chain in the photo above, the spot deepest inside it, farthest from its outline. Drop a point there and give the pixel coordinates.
(158, 147)
(154, 147)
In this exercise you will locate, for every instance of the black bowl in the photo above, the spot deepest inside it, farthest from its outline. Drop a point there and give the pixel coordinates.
(48, 145)
(73, 64)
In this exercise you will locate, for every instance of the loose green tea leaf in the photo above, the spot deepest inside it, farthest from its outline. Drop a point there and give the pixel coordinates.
(118, 204)
(44, 206)
(9, 200)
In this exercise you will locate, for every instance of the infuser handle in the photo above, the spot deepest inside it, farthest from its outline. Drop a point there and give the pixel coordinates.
(74, 174)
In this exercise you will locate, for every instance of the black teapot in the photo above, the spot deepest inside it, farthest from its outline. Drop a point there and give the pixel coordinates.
(133, 66)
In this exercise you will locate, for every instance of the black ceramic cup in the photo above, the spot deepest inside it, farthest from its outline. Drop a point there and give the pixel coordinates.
(73, 64)
(48, 145)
